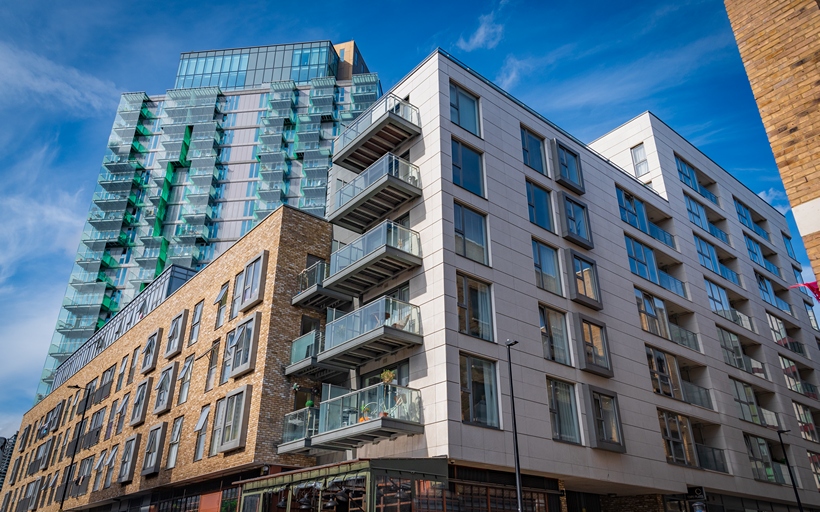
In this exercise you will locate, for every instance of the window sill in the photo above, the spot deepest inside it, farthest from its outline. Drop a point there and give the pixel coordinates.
(477, 337)
(482, 425)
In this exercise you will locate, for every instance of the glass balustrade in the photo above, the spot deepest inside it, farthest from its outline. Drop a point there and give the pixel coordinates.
(736, 316)
(383, 312)
(672, 284)
(385, 234)
(371, 403)
(768, 418)
(754, 367)
(313, 275)
(683, 337)
(300, 424)
(729, 274)
(718, 233)
(307, 346)
(387, 104)
(388, 165)
(661, 235)
(696, 395)
(711, 458)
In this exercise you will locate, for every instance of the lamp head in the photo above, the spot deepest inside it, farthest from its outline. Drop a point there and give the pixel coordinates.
(511, 343)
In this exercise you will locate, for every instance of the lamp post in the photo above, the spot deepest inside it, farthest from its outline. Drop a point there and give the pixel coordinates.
(789, 467)
(74, 451)
(510, 344)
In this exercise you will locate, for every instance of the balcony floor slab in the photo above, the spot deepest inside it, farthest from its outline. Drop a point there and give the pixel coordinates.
(368, 346)
(371, 270)
(374, 203)
(366, 432)
(378, 139)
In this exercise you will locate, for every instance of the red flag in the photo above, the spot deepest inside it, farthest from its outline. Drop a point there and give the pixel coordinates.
(811, 286)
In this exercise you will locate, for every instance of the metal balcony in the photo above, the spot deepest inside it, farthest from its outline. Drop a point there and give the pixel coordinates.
(303, 362)
(379, 328)
(374, 257)
(117, 182)
(380, 189)
(313, 294)
(711, 458)
(381, 129)
(106, 221)
(297, 430)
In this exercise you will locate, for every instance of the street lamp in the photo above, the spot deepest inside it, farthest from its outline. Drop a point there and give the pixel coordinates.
(788, 466)
(77, 444)
(510, 344)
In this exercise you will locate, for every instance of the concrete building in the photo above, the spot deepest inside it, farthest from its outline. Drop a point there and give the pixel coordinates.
(190, 171)
(778, 44)
(659, 347)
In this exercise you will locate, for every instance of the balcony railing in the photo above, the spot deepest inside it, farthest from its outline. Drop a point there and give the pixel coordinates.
(729, 274)
(683, 337)
(661, 235)
(754, 367)
(773, 472)
(313, 275)
(711, 458)
(777, 302)
(371, 403)
(300, 424)
(771, 267)
(383, 312)
(703, 191)
(718, 233)
(696, 395)
(672, 284)
(736, 317)
(768, 418)
(388, 165)
(386, 234)
(308, 345)
(793, 345)
(387, 104)
(804, 388)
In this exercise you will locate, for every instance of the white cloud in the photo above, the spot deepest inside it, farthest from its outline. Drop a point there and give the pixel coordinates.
(514, 69)
(29, 77)
(776, 198)
(488, 34)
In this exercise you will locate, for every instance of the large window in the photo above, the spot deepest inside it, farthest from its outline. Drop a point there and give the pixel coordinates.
(238, 286)
(129, 459)
(153, 449)
(563, 413)
(463, 109)
(219, 421)
(554, 335)
(787, 241)
(547, 273)
(221, 303)
(538, 201)
(173, 444)
(594, 346)
(569, 168)
(531, 145)
(641, 260)
(639, 160)
(812, 316)
(814, 462)
(576, 223)
(110, 466)
(677, 437)
(121, 374)
(243, 350)
(805, 419)
(754, 250)
(140, 400)
(213, 358)
(603, 412)
(165, 389)
(584, 289)
(633, 211)
(201, 429)
(707, 256)
(149, 353)
(474, 309)
(746, 401)
(253, 286)
(479, 393)
(467, 168)
(176, 334)
(233, 423)
(471, 234)
(652, 311)
(718, 299)
(663, 370)
(697, 213)
(185, 379)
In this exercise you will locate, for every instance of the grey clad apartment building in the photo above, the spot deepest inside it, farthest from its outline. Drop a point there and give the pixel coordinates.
(660, 349)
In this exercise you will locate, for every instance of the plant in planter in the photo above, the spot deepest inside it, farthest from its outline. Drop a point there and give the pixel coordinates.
(365, 415)
(387, 376)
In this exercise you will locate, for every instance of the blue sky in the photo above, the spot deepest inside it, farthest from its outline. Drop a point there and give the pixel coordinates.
(587, 66)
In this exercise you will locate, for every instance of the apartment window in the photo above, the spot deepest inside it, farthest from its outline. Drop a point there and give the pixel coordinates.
(812, 317)
(244, 347)
(109, 427)
(83, 477)
(238, 287)
(746, 402)
(707, 256)
(221, 305)
(463, 109)
(814, 462)
(479, 393)
(755, 252)
(569, 168)
(639, 160)
(121, 411)
(253, 290)
(152, 457)
(732, 350)
(697, 214)
(99, 468)
(641, 260)
(227, 358)
(471, 234)
(744, 215)
(121, 374)
(165, 389)
(576, 223)
(201, 428)
(110, 464)
(237, 404)
(95, 428)
(213, 356)
(149, 352)
(787, 241)
(594, 346)
(547, 272)
(585, 289)
(686, 173)
(633, 211)
(140, 399)
(563, 413)
(805, 419)
(554, 335)
(652, 311)
(197, 319)
(792, 375)
(663, 371)
(176, 334)
(129, 459)
(531, 145)
(185, 379)
(216, 433)
(538, 201)
(677, 437)
(133, 368)
(467, 168)
(606, 420)
(760, 458)
(474, 309)
(718, 299)
(173, 445)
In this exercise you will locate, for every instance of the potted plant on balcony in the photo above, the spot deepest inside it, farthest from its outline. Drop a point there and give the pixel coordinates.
(365, 413)
(387, 376)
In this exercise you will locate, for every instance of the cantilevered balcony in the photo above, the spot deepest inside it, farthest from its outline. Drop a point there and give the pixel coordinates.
(313, 294)
(105, 221)
(303, 361)
(383, 411)
(381, 129)
(372, 331)
(380, 189)
(374, 257)
(117, 182)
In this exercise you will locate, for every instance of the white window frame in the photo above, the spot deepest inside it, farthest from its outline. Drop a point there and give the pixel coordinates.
(221, 303)
(201, 429)
(243, 351)
(238, 400)
(253, 289)
(196, 322)
(110, 466)
(173, 443)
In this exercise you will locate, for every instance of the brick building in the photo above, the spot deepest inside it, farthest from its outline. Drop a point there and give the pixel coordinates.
(778, 42)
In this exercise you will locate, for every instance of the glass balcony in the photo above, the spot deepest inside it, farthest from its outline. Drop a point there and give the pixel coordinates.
(719, 233)
(754, 367)
(378, 255)
(767, 418)
(683, 337)
(661, 235)
(387, 124)
(311, 292)
(380, 189)
(116, 182)
(376, 329)
(704, 192)
(773, 472)
(711, 458)
(729, 274)
(793, 345)
(303, 361)
(78, 324)
(736, 317)
(771, 267)
(804, 388)
(300, 424)
(672, 284)
(188, 232)
(696, 395)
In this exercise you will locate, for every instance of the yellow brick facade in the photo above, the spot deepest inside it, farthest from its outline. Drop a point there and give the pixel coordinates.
(289, 236)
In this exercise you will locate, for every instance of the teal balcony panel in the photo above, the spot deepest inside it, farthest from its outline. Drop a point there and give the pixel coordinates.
(378, 255)
(379, 328)
(303, 361)
(381, 129)
(661, 235)
(382, 188)
(311, 292)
